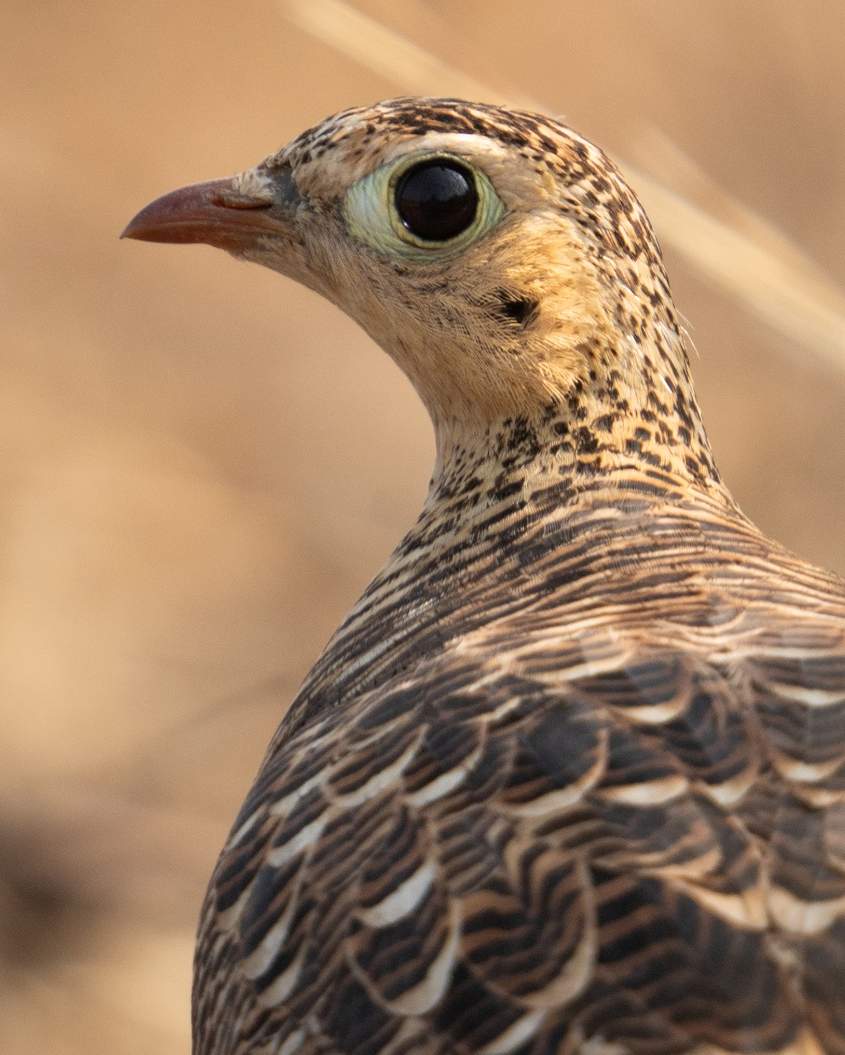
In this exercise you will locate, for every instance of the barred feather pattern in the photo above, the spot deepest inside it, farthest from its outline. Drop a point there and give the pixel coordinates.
(570, 778)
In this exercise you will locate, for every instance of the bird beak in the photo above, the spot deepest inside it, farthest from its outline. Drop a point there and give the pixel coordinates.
(232, 214)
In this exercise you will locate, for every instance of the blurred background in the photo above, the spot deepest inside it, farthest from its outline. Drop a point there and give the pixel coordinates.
(202, 464)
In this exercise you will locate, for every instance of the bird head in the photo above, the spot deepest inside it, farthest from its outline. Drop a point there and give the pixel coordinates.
(496, 255)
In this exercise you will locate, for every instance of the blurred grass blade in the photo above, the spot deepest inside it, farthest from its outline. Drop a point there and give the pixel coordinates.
(746, 256)
(382, 50)
(751, 258)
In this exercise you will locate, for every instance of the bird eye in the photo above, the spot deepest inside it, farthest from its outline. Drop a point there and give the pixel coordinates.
(422, 205)
(436, 200)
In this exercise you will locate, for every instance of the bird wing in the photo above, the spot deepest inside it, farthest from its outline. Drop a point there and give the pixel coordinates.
(584, 846)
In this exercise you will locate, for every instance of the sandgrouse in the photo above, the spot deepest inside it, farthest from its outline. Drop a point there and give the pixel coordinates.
(570, 777)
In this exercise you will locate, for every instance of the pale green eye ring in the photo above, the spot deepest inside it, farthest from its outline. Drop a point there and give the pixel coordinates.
(424, 205)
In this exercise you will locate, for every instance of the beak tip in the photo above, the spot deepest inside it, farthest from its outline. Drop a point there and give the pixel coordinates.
(144, 225)
(139, 231)
(208, 212)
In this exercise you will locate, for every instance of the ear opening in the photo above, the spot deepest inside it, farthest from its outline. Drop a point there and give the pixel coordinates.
(522, 310)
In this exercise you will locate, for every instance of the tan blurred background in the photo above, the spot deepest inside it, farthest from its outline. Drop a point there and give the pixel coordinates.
(202, 465)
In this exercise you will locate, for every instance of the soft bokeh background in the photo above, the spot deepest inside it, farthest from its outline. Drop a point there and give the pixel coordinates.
(202, 464)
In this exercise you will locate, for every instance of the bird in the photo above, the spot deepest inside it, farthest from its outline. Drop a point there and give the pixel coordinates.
(570, 776)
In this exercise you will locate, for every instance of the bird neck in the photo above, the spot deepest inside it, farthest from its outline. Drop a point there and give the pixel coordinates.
(581, 443)
(571, 503)
(612, 392)
(510, 512)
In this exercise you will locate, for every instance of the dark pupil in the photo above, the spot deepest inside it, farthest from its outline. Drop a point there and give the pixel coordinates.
(436, 200)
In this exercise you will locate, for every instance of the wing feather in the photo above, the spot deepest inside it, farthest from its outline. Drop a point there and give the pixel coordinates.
(639, 858)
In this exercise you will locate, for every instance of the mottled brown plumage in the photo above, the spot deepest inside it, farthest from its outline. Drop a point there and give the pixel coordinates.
(571, 776)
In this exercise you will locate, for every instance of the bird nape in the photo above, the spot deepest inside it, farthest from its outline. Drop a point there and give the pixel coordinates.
(570, 777)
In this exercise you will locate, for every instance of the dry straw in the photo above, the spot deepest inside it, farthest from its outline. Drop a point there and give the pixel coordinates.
(747, 257)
